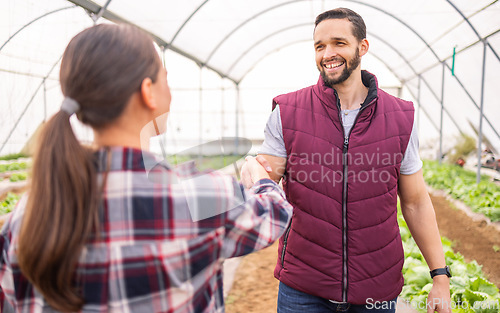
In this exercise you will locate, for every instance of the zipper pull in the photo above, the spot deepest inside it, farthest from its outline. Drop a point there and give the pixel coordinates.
(346, 143)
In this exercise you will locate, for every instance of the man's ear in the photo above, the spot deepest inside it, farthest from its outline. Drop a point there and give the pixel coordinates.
(363, 47)
(147, 93)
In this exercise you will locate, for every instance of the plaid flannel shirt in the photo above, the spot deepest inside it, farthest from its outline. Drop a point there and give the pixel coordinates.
(163, 237)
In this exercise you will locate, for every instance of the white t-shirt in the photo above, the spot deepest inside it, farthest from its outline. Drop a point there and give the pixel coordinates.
(274, 144)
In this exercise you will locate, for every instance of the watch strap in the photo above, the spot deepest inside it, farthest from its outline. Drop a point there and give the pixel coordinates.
(441, 271)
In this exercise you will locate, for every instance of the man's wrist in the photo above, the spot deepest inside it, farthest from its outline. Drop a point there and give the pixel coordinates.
(441, 279)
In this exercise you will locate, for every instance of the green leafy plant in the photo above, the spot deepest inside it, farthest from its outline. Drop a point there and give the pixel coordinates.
(13, 156)
(9, 203)
(461, 184)
(470, 291)
(16, 166)
(18, 177)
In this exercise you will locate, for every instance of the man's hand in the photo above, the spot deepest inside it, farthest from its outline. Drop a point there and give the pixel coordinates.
(439, 296)
(254, 170)
(278, 165)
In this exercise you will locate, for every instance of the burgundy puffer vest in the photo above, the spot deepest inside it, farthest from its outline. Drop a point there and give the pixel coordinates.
(343, 243)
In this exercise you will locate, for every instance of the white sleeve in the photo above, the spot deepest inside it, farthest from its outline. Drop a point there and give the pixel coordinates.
(411, 160)
(274, 144)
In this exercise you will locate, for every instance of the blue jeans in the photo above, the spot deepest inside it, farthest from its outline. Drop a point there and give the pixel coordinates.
(293, 301)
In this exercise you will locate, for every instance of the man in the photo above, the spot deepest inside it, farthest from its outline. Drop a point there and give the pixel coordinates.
(345, 149)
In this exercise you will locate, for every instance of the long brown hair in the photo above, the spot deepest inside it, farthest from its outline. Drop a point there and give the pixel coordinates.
(101, 68)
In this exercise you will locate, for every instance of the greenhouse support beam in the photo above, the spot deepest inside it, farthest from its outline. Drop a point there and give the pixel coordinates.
(27, 74)
(222, 106)
(44, 101)
(480, 135)
(99, 14)
(424, 110)
(234, 30)
(418, 101)
(441, 117)
(458, 52)
(200, 113)
(460, 82)
(258, 42)
(28, 105)
(32, 21)
(472, 27)
(185, 22)
(237, 118)
(110, 16)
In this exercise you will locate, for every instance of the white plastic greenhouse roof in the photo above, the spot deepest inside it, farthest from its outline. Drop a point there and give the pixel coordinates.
(414, 40)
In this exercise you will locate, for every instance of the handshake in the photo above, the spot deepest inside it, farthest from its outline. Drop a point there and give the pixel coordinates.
(254, 169)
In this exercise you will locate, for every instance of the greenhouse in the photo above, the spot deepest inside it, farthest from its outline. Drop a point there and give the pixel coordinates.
(227, 60)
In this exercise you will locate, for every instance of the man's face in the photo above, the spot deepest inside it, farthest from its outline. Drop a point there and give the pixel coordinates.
(337, 50)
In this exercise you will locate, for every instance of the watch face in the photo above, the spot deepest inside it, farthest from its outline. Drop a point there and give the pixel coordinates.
(448, 271)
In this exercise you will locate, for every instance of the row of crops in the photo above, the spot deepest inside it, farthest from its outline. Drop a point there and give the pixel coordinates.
(15, 171)
(461, 184)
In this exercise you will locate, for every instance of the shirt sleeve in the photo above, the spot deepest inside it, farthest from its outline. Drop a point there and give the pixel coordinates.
(6, 282)
(274, 144)
(258, 222)
(411, 160)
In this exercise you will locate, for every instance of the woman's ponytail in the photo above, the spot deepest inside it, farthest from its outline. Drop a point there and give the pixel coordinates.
(60, 214)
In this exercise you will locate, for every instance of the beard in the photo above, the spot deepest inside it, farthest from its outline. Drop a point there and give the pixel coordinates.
(346, 73)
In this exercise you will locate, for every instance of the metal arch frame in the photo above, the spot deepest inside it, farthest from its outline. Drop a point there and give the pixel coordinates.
(99, 14)
(473, 28)
(28, 104)
(458, 52)
(185, 22)
(411, 92)
(422, 78)
(295, 1)
(110, 16)
(34, 20)
(417, 99)
(258, 42)
(244, 23)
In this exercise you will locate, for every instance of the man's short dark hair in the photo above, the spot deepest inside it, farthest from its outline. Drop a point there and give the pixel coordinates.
(358, 25)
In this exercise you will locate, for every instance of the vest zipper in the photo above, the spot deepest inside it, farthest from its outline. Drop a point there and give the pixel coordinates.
(285, 241)
(344, 218)
(344, 194)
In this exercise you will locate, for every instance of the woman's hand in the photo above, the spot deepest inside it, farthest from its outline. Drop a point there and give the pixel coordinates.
(254, 169)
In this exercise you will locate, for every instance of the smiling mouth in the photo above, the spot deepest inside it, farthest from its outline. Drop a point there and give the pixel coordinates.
(333, 65)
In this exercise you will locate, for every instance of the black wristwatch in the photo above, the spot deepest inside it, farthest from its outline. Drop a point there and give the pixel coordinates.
(441, 271)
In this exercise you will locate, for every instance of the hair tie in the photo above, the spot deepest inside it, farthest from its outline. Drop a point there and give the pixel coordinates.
(70, 106)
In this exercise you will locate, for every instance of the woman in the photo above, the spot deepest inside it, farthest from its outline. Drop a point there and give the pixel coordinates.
(96, 233)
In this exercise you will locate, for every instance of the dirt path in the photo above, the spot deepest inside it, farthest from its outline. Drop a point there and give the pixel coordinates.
(256, 290)
(475, 240)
